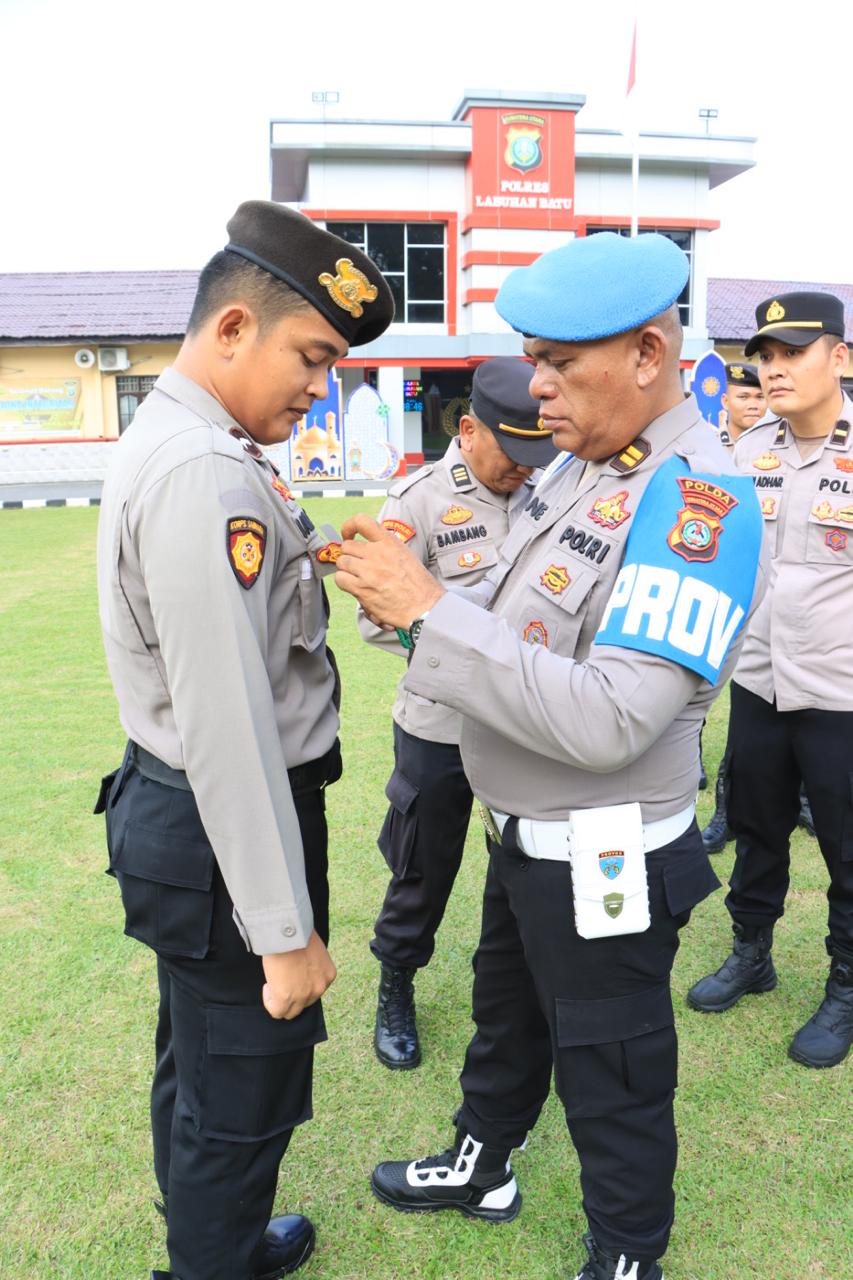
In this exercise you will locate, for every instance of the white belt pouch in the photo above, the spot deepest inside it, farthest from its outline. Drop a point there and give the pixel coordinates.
(608, 871)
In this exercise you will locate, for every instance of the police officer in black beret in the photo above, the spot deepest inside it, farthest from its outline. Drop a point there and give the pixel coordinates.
(743, 401)
(214, 620)
(454, 515)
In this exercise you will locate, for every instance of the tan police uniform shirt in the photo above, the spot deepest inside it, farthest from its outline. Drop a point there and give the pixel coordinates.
(455, 526)
(229, 682)
(798, 648)
(554, 721)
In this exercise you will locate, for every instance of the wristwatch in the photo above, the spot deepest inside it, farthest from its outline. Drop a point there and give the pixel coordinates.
(408, 639)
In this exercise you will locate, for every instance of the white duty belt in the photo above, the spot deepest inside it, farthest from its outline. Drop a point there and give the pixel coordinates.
(540, 839)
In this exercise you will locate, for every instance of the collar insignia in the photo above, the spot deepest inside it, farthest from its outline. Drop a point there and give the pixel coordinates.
(629, 459)
(349, 288)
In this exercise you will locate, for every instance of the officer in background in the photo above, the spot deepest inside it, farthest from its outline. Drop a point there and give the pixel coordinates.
(792, 695)
(635, 572)
(745, 405)
(743, 402)
(213, 616)
(454, 516)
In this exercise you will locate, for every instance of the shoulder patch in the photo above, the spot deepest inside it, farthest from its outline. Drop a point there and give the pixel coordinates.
(405, 482)
(399, 528)
(245, 544)
(685, 586)
(629, 459)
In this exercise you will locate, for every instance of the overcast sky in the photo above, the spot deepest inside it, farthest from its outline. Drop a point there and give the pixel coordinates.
(132, 131)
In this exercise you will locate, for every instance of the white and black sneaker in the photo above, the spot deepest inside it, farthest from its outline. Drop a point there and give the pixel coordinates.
(471, 1177)
(608, 1266)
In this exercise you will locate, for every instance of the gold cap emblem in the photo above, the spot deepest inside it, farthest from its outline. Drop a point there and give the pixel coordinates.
(736, 371)
(349, 288)
(774, 312)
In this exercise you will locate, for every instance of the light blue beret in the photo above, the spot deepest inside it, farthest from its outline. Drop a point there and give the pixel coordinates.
(594, 286)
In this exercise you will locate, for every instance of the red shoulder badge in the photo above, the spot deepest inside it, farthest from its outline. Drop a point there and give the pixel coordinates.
(245, 543)
(400, 529)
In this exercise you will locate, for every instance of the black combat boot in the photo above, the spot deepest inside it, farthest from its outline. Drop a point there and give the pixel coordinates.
(287, 1242)
(717, 833)
(749, 968)
(616, 1266)
(396, 1037)
(471, 1177)
(825, 1039)
(805, 819)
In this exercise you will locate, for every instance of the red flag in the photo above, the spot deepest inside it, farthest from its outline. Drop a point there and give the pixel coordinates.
(632, 66)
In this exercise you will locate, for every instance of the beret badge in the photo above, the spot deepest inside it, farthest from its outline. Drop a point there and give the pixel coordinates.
(349, 288)
(737, 372)
(775, 312)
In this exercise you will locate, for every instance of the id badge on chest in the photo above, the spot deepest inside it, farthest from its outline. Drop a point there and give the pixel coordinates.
(608, 864)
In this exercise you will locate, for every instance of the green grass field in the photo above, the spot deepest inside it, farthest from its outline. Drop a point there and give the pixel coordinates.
(764, 1178)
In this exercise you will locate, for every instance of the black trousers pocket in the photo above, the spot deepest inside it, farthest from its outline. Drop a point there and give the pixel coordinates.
(164, 864)
(397, 837)
(615, 1053)
(255, 1078)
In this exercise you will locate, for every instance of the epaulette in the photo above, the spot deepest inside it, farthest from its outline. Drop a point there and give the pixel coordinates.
(405, 482)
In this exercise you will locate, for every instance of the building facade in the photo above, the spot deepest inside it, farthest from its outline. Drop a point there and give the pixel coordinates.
(447, 209)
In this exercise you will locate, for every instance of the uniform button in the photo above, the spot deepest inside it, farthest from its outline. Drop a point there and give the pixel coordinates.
(289, 931)
(432, 661)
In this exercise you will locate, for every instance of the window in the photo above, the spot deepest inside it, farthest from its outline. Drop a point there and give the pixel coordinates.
(131, 392)
(411, 257)
(684, 240)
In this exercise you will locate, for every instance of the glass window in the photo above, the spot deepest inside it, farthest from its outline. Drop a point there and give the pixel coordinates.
(426, 233)
(352, 232)
(411, 256)
(425, 275)
(684, 239)
(131, 392)
(426, 312)
(386, 244)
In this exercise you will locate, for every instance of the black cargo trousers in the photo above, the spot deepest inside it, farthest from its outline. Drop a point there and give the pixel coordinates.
(230, 1082)
(422, 840)
(596, 1011)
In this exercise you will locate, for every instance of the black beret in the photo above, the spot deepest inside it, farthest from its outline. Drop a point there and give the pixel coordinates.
(340, 281)
(742, 375)
(501, 400)
(797, 319)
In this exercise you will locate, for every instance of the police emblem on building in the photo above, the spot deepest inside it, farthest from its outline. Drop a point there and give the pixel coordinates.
(696, 532)
(523, 141)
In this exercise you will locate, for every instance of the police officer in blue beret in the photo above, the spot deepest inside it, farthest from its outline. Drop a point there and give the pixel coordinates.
(615, 614)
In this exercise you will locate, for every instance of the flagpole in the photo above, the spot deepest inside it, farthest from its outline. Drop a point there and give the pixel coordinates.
(635, 136)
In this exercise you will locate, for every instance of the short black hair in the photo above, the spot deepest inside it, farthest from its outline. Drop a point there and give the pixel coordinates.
(230, 278)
